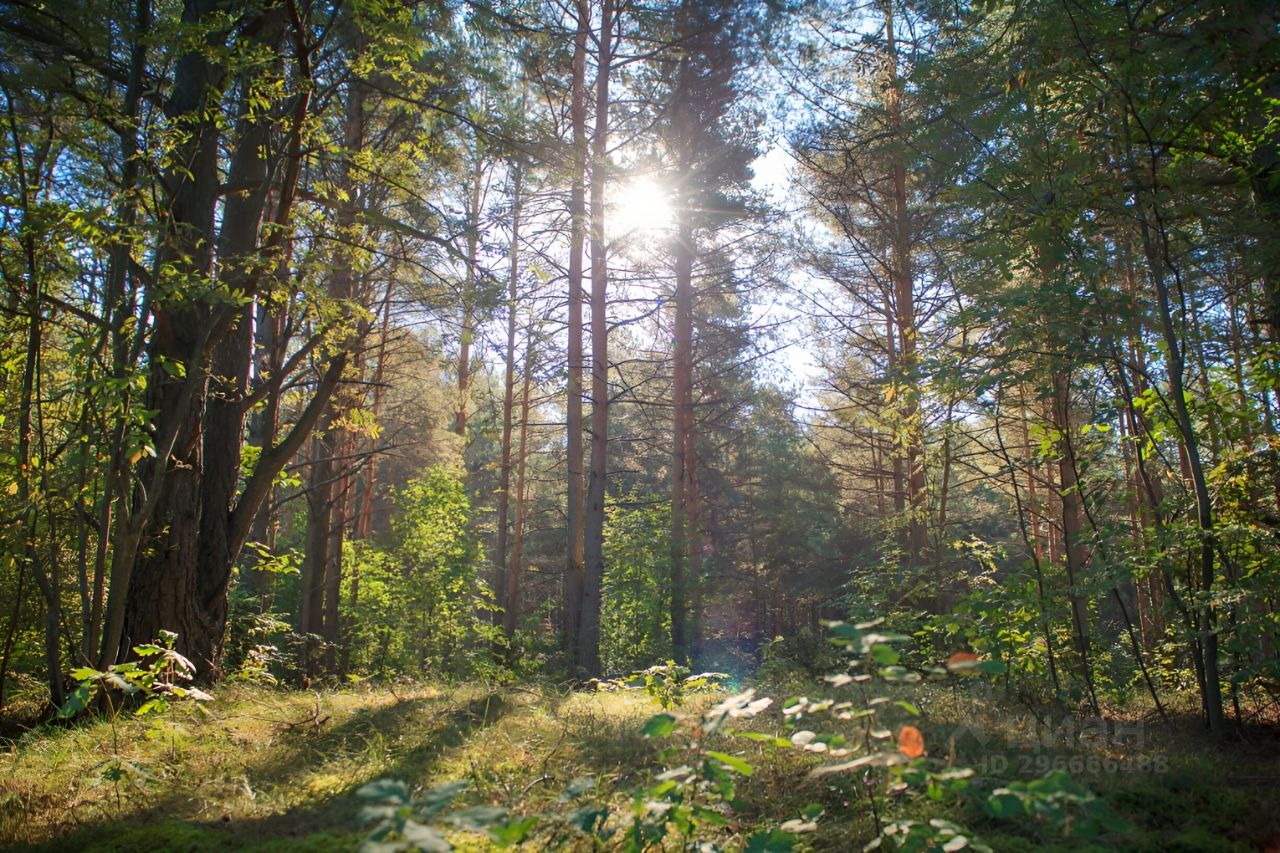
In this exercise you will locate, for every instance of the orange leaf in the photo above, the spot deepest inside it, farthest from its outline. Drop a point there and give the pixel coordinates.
(911, 742)
(961, 660)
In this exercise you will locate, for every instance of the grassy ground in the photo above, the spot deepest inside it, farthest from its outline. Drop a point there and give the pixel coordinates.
(264, 770)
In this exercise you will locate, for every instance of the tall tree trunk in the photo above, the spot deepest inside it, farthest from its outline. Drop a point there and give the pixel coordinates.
(157, 591)
(469, 294)
(1073, 518)
(593, 518)
(364, 520)
(199, 525)
(905, 311)
(511, 615)
(328, 487)
(508, 403)
(1191, 450)
(575, 571)
(682, 460)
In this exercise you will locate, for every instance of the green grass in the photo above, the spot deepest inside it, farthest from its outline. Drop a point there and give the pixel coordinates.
(268, 770)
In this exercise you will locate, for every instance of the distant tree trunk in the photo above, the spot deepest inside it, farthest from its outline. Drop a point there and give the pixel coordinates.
(1033, 504)
(469, 295)
(328, 484)
(120, 301)
(898, 472)
(1191, 449)
(593, 539)
(1030, 535)
(682, 460)
(508, 402)
(575, 572)
(944, 491)
(364, 520)
(1077, 552)
(511, 615)
(264, 427)
(905, 312)
(27, 404)
(315, 561)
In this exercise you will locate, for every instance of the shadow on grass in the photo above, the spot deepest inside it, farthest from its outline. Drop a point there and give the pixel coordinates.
(328, 823)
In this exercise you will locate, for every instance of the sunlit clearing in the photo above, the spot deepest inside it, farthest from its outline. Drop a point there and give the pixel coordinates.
(639, 206)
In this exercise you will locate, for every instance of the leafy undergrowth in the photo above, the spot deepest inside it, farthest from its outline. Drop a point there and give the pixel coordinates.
(260, 769)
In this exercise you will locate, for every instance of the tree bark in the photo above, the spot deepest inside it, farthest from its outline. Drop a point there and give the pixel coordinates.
(511, 616)
(575, 511)
(905, 312)
(593, 534)
(508, 406)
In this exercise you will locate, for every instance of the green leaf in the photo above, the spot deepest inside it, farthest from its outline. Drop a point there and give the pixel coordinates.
(899, 673)
(710, 816)
(732, 762)
(659, 725)
(477, 818)
(440, 796)
(908, 707)
(772, 740)
(76, 702)
(589, 820)
(385, 789)
(512, 832)
(884, 655)
(1005, 804)
(770, 842)
(426, 838)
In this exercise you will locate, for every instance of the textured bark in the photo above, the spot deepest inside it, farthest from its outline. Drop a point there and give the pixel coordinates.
(196, 522)
(160, 591)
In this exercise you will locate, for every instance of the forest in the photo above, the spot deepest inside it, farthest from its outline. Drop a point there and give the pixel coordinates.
(640, 425)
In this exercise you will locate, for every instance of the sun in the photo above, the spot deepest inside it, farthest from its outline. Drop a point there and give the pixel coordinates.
(639, 206)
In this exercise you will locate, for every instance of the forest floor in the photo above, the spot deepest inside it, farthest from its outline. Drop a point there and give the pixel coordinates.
(266, 769)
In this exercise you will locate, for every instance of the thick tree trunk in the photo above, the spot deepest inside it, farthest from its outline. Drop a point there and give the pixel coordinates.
(160, 592)
(190, 503)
